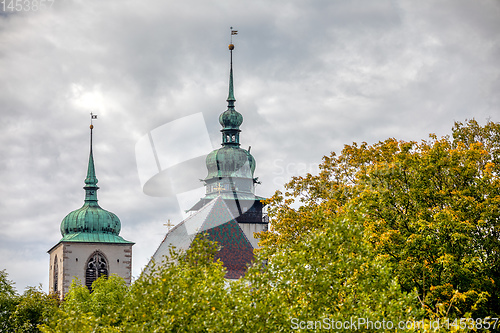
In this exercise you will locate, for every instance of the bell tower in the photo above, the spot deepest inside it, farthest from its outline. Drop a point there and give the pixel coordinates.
(91, 245)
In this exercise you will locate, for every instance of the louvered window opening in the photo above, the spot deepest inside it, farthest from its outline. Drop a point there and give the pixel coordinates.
(96, 267)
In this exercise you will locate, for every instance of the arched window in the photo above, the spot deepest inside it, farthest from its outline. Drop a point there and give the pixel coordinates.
(96, 267)
(55, 275)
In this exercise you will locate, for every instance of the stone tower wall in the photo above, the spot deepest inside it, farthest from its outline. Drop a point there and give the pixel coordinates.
(72, 258)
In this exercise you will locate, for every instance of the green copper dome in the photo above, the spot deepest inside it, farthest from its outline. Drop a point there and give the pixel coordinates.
(230, 119)
(230, 162)
(90, 219)
(91, 223)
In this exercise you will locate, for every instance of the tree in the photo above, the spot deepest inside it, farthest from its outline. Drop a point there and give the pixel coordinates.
(430, 208)
(186, 294)
(386, 232)
(434, 211)
(24, 313)
(330, 276)
(85, 311)
(8, 302)
(33, 308)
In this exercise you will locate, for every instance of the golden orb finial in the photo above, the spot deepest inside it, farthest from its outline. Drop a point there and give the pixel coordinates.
(91, 126)
(231, 47)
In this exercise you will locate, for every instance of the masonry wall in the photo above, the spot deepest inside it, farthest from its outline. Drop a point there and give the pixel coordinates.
(56, 252)
(73, 257)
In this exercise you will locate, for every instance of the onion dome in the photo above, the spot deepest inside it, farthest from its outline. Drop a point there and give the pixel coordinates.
(91, 223)
(230, 119)
(230, 162)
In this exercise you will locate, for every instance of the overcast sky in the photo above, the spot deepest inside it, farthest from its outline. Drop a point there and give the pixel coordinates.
(310, 76)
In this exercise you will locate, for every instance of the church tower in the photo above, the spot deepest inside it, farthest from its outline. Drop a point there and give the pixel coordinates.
(230, 212)
(90, 246)
(231, 172)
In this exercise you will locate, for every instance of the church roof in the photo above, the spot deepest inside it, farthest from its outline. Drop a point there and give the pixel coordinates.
(228, 196)
(217, 222)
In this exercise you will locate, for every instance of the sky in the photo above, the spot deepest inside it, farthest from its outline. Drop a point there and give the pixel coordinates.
(309, 77)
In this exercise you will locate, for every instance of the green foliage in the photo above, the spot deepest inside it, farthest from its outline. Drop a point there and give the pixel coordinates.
(392, 231)
(34, 308)
(8, 302)
(187, 294)
(83, 311)
(6, 286)
(23, 313)
(432, 209)
(330, 275)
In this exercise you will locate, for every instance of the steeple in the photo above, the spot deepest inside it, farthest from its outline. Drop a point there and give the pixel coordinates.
(230, 168)
(91, 245)
(230, 175)
(231, 119)
(230, 97)
(91, 180)
(91, 222)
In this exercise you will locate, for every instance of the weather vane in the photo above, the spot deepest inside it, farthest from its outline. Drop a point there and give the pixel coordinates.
(233, 32)
(92, 116)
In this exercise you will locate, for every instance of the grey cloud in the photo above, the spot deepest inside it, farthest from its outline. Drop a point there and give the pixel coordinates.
(309, 77)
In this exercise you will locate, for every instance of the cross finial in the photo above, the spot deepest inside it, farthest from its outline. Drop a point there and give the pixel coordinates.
(169, 225)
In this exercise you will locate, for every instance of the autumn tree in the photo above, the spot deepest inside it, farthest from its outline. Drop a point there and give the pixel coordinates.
(330, 276)
(390, 231)
(431, 208)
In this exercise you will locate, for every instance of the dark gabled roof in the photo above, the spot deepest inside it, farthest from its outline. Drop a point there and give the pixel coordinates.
(218, 223)
(232, 196)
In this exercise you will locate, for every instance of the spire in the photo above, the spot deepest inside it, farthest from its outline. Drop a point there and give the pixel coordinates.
(231, 119)
(230, 97)
(91, 180)
(91, 223)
